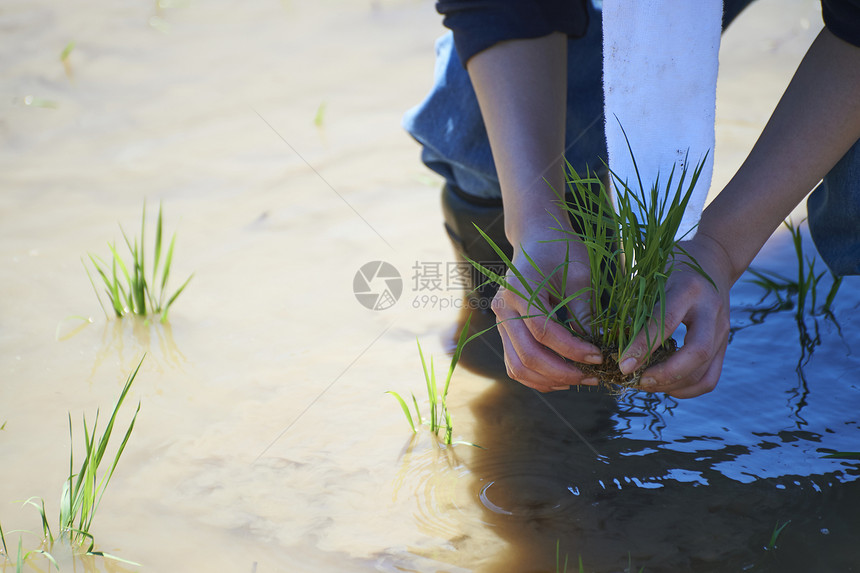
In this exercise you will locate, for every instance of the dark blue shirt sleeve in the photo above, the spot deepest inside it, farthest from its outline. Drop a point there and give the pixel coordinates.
(842, 17)
(479, 24)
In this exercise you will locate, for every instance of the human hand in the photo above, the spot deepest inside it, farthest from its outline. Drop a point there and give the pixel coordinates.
(692, 300)
(536, 346)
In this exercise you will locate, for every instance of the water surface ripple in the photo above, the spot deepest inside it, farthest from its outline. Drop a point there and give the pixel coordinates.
(691, 485)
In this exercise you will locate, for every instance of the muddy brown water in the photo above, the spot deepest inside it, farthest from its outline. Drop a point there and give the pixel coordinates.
(265, 441)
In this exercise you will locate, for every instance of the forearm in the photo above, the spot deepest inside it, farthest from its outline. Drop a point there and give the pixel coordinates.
(815, 123)
(521, 88)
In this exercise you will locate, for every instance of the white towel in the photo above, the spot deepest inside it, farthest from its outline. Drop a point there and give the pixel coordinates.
(660, 61)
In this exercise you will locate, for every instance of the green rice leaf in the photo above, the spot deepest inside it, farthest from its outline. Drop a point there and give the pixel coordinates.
(320, 115)
(165, 274)
(19, 564)
(157, 258)
(831, 294)
(497, 279)
(430, 382)
(64, 55)
(99, 492)
(95, 290)
(777, 529)
(47, 556)
(104, 555)
(417, 409)
(458, 351)
(506, 260)
(3, 541)
(118, 261)
(565, 301)
(137, 294)
(174, 297)
(40, 507)
(82, 535)
(543, 285)
(433, 394)
(405, 409)
(449, 428)
(82, 496)
(142, 228)
(110, 286)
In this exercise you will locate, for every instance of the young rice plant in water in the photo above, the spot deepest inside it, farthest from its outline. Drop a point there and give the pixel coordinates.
(84, 488)
(805, 287)
(128, 290)
(440, 417)
(632, 252)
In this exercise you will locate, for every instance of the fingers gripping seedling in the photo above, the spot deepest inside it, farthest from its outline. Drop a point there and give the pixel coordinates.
(632, 251)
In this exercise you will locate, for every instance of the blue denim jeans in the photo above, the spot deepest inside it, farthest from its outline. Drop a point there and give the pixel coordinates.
(449, 126)
(834, 215)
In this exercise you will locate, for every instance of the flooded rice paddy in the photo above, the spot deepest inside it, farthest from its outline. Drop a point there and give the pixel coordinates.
(270, 133)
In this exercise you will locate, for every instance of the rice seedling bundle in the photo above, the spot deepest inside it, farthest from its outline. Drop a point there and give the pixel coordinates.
(129, 291)
(632, 248)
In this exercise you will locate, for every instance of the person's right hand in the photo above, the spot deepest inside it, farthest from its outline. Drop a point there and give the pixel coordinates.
(536, 347)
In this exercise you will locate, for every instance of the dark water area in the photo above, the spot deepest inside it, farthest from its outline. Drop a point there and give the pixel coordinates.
(688, 485)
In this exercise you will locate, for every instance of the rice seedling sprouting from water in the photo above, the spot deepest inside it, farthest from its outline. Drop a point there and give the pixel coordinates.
(632, 252)
(22, 555)
(804, 287)
(561, 567)
(84, 488)
(83, 491)
(777, 529)
(3, 541)
(440, 417)
(128, 290)
(64, 58)
(319, 117)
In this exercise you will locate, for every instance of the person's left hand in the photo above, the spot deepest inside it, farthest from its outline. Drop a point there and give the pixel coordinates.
(539, 350)
(690, 299)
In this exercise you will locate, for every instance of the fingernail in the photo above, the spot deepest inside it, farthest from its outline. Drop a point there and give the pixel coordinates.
(627, 365)
(647, 382)
(589, 381)
(561, 387)
(594, 359)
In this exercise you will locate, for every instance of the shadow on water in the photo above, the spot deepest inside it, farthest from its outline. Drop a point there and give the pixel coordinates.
(696, 485)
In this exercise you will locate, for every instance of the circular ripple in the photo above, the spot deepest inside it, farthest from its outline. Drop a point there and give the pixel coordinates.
(526, 486)
(435, 480)
(525, 496)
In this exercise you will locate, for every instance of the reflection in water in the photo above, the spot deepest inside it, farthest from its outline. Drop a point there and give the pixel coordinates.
(808, 336)
(430, 477)
(125, 340)
(78, 323)
(681, 485)
(651, 408)
(428, 473)
(68, 559)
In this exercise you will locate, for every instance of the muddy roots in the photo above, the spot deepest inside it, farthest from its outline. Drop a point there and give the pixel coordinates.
(610, 375)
